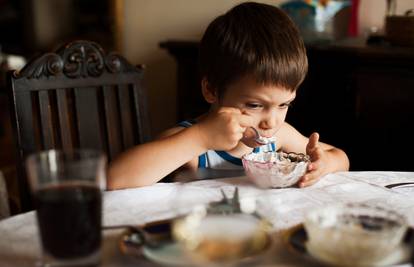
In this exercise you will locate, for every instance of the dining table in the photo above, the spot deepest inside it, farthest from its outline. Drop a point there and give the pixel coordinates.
(285, 208)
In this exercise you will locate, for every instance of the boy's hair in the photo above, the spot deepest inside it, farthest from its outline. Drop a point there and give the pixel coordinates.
(253, 39)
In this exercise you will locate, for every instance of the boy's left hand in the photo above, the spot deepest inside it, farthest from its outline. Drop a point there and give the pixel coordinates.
(316, 167)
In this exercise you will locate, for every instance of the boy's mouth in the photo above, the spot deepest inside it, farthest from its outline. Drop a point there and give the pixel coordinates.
(267, 134)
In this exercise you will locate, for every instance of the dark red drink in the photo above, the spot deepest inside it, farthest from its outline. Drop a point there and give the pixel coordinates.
(69, 219)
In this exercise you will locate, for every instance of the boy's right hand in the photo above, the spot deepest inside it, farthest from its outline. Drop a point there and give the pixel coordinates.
(223, 128)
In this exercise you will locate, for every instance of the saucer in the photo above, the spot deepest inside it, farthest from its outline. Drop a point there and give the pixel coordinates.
(297, 242)
(170, 252)
(167, 252)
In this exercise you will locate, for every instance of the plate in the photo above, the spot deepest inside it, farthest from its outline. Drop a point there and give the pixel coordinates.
(297, 237)
(168, 252)
(152, 240)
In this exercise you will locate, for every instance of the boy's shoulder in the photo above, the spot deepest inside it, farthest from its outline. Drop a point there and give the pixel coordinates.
(171, 131)
(177, 128)
(286, 131)
(186, 123)
(290, 139)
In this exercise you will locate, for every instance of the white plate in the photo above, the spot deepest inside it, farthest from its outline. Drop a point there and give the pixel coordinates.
(169, 254)
(174, 255)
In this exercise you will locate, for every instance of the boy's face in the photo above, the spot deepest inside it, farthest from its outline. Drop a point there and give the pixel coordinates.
(266, 104)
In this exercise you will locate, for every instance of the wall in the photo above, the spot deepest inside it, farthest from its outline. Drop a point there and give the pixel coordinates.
(52, 21)
(149, 22)
(372, 12)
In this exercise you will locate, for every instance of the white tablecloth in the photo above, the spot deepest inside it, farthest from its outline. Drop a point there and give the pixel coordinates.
(19, 243)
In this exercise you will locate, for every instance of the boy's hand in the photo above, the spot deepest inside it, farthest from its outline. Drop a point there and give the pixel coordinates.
(316, 167)
(222, 129)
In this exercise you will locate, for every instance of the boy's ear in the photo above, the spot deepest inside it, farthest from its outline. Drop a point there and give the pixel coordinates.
(209, 93)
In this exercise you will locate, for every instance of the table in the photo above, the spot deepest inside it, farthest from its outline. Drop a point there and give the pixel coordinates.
(19, 243)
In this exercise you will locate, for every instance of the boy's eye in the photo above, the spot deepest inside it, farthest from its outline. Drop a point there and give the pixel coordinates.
(254, 105)
(285, 105)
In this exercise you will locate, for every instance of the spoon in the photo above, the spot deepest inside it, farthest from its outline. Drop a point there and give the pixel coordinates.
(152, 235)
(261, 139)
(389, 186)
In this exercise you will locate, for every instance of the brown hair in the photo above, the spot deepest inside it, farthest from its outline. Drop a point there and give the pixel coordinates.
(253, 39)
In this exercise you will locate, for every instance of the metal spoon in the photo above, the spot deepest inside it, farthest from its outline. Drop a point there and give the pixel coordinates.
(389, 186)
(137, 236)
(261, 139)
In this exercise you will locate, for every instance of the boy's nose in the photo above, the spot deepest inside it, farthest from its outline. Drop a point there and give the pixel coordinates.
(269, 120)
(268, 123)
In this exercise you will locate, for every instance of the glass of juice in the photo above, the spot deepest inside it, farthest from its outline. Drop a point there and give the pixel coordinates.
(66, 187)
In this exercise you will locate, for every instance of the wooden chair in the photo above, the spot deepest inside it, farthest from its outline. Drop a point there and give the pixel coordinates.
(4, 199)
(76, 97)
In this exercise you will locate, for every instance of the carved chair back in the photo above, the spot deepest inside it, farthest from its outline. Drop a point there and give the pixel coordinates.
(77, 97)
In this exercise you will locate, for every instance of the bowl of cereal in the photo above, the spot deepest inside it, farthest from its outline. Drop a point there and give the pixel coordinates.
(353, 234)
(275, 169)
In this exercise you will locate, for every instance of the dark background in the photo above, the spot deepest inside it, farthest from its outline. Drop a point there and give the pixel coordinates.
(91, 19)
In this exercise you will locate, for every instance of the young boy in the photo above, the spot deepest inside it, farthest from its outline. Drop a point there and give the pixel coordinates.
(252, 60)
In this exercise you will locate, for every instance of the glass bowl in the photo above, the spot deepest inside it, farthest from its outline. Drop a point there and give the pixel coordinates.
(275, 169)
(353, 234)
(219, 238)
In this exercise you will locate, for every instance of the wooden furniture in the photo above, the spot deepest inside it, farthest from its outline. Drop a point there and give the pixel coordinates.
(190, 102)
(77, 97)
(358, 97)
(4, 203)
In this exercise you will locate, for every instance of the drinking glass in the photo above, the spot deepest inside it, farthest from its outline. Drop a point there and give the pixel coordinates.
(66, 187)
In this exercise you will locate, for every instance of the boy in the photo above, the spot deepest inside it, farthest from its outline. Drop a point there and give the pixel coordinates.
(252, 60)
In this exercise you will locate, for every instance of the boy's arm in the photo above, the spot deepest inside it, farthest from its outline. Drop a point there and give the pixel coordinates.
(146, 164)
(325, 158)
